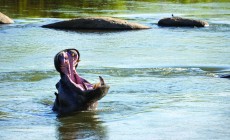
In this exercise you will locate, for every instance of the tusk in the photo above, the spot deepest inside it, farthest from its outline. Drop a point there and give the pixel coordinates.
(102, 80)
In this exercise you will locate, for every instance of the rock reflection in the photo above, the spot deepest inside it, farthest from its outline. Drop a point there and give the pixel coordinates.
(81, 126)
(59, 8)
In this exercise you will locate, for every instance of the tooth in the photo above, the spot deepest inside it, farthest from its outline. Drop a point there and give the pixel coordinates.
(101, 80)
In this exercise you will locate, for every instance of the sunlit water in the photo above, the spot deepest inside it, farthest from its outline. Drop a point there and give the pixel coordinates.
(164, 81)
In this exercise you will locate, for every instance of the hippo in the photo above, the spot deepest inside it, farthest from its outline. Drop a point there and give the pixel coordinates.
(181, 22)
(5, 19)
(74, 92)
(225, 76)
(96, 23)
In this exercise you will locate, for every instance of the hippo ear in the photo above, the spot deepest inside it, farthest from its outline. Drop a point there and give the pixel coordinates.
(78, 57)
(77, 54)
(57, 62)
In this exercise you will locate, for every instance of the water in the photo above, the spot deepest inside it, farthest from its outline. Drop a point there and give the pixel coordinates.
(164, 81)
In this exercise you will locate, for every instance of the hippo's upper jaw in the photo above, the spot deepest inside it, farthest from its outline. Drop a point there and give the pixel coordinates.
(74, 92)
(67, 62)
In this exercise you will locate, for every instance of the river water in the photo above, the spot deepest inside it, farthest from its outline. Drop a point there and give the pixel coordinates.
(164, 81)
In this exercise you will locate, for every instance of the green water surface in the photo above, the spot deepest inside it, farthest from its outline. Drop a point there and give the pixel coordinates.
(164, 81)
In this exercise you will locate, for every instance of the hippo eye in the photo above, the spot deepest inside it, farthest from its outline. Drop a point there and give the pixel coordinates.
(73, 53)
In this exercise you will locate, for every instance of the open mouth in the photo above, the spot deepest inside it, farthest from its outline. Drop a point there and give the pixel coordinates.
(66, 62)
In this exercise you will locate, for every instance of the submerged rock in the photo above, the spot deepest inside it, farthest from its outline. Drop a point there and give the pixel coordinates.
(96, 23)
(182, 22)
(5, 19)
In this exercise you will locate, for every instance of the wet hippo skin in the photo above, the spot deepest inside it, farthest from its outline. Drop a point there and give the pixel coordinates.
(74, 92)
(225, 76)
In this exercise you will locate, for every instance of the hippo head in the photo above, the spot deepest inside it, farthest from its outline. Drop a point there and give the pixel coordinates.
(74, 92)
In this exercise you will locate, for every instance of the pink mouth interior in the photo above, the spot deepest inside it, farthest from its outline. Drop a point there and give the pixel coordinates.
(68, 61)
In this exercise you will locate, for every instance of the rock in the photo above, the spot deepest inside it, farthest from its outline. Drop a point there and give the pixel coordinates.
(96, 23)
(181, 22)
(5, 19)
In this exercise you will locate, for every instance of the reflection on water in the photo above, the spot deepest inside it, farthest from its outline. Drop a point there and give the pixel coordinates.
(47, 8)
(75, 8)
(81, 125)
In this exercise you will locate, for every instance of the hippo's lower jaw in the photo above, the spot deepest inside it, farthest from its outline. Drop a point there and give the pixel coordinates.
(92, 96)
(74, 92)
(71, 98)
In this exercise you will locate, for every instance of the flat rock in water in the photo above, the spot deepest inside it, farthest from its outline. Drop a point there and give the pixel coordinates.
(96, 23)
(181, 22)
(5, 19)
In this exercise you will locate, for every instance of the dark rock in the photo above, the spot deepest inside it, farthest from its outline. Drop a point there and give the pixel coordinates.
(181, 22)
(96, 23)
(5, 19)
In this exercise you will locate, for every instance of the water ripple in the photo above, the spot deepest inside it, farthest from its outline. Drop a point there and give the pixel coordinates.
(25, 76)
(33, 76)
